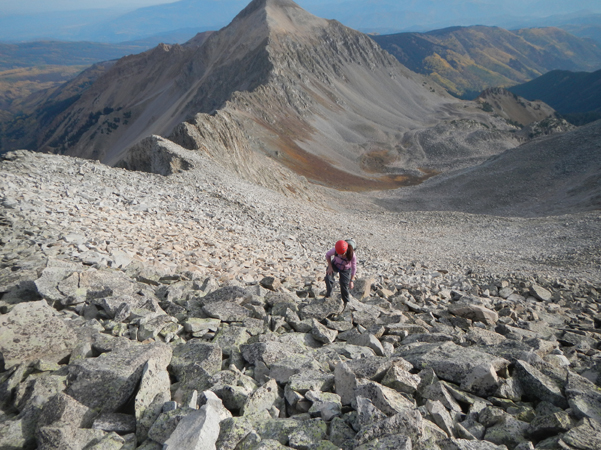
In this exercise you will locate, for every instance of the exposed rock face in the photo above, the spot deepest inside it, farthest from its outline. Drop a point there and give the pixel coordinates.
(281, 89)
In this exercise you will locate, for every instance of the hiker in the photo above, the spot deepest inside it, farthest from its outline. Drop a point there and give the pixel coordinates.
(342, 260)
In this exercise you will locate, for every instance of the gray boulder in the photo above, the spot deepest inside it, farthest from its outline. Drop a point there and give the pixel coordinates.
(586, 436)
(96, 284)
(399, 379)
(19, 432)
(39, 388)
(507, 431)
(199, 430)
(55, 272)
(387, 400)
(226, 311)
(115, 422)
(437, 391)
(367, 413)
(368, 340)
(470, 368)
(408, 423)
(321, 308)
(475, 313)
(153, 392)
(273, 348)
(227, 294)
(32, 331)
(549, 425)
(284, 369)
(540, 293)
(67, 437)
(584, 397)
(309, 433)
(464, 444)
(198, 325)
(323, 334)
(107, 382)
(194, 355)
(539, 385)
(263, 399)
(394, 442)
(362, 288)
(63, 409)
(325, 404)
(441, 416)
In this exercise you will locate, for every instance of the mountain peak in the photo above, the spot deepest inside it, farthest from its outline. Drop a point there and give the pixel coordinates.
(281, 16)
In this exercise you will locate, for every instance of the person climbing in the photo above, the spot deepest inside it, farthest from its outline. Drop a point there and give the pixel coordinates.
(342, 260)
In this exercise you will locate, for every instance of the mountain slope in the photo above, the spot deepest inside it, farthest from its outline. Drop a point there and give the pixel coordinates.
(549, 176)
(567, 92)
(467, 60)
(281, 87)
(514, 108)
(33, 96)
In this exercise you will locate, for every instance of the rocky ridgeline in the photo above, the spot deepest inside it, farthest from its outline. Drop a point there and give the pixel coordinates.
(139, 311)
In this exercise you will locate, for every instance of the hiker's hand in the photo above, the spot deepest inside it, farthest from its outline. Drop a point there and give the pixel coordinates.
(330, 270)
(351, 285)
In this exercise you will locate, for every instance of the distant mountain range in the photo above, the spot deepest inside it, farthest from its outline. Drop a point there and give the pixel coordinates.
(467, 60)
(382, 16)
(42, 53)
(576, 95)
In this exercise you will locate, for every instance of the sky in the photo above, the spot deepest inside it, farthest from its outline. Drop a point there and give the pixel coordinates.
(30, 6)
(23, 20)
(8, 7)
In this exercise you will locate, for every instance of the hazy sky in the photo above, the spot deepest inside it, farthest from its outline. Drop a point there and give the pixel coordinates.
(29, 6)
(34, 6)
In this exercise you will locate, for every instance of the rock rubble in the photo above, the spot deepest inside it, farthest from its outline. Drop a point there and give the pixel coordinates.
(146, 312)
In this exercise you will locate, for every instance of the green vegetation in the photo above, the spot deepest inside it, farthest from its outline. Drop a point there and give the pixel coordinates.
(467, 60)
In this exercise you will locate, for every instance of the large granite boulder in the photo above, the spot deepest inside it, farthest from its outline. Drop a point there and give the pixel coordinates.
(474, 370)
(107, 382)
(32, 331)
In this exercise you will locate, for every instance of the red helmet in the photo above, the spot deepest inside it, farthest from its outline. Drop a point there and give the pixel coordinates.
(341, 247)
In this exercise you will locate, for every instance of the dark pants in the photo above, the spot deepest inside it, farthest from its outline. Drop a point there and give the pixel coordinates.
(345, 279)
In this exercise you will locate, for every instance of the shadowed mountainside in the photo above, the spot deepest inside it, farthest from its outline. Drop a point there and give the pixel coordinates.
(467, 60)
(549, 176)
(577, 95)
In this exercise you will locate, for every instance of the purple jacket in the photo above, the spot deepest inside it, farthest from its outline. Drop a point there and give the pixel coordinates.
(342, 263)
